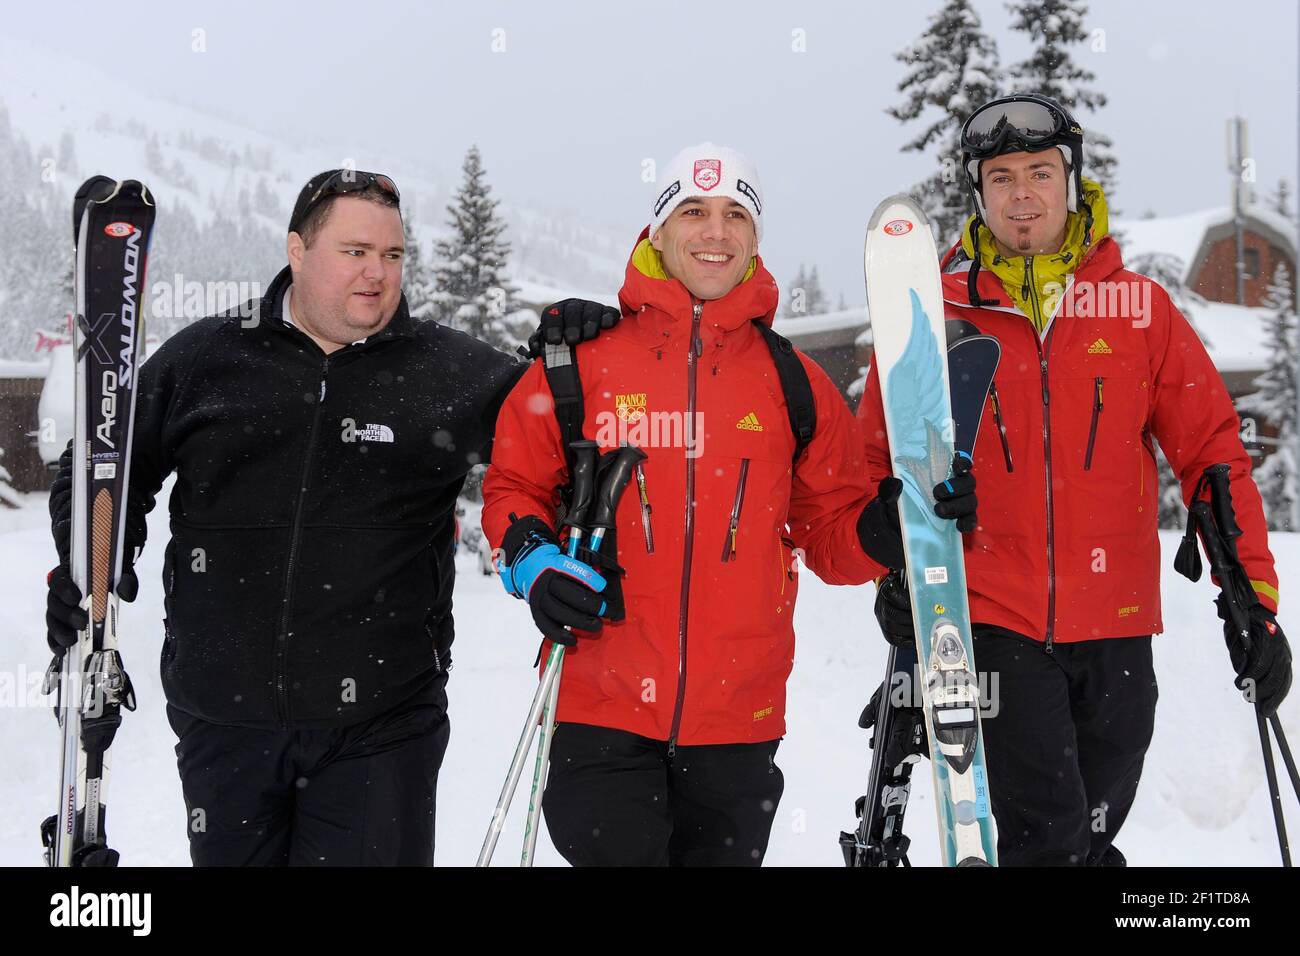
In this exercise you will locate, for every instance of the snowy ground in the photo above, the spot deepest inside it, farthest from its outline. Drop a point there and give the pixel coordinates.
(1202, 799)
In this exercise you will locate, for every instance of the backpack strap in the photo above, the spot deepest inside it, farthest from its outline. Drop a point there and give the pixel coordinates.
(566, 391)
(793, 376)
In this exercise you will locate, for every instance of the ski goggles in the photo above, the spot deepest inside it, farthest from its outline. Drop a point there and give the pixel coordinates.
(1027, 124)
(341, 182)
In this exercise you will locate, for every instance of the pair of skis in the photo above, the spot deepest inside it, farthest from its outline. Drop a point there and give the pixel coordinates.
(112, 224)
(933, 405)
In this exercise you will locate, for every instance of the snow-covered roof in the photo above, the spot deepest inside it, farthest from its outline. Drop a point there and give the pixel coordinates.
(541, 293)
(19, 368)
(1183, 235)
(1234, 334)
(825, 330)
(854, 318)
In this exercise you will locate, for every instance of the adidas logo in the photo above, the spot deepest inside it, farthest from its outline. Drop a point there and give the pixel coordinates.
(750, 423)
(1100, 347)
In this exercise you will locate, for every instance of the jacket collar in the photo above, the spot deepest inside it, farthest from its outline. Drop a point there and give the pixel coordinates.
(648, 290)
(401, 326)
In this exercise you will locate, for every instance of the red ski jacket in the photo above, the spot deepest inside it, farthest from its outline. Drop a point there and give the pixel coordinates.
(707, 644)
(1066, 549)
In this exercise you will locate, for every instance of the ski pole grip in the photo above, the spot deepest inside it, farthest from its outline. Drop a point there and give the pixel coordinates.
(584, 480)
(1222, 566)
(1221, 501)
(616, 479)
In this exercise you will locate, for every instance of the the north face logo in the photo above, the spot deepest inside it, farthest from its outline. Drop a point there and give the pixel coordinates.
(750, 423)
(1100, 347)
(375, 433)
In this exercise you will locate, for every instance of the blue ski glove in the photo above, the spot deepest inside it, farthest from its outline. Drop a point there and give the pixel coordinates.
(561, 591)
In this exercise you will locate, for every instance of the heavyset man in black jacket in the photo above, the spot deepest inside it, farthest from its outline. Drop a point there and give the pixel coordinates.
(319, 440)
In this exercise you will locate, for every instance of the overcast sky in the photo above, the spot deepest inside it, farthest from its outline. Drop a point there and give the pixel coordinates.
(576, 95)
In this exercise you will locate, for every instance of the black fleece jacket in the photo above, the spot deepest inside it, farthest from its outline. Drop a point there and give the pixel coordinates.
(309, 573)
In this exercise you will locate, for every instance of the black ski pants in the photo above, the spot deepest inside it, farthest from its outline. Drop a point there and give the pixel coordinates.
(363, 795)
(614, 798)
(1066, 746)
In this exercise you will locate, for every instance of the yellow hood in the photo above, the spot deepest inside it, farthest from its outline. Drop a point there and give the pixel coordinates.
(1035, 283)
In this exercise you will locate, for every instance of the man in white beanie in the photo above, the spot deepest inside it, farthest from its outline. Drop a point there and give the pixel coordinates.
(679, 628)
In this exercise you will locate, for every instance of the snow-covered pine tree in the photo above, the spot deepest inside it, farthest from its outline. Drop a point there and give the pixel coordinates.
(952, 67)
(805, 296)
(1054, 26)
(1170, 272)
(472, 291)
(1280, 200)
(795, 303)
(1278, 476)
(816, 300)
(1171, 513)
(417, 279)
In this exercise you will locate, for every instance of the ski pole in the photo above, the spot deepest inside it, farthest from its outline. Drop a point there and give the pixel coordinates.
(1217, 525)
(612, 486)
(1287, 759)
(521, 753)
(585, 456)
(583, 483)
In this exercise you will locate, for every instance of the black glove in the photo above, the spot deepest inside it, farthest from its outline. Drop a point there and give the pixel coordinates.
(533, 567)
(570, 322)
(894, 610)
(878, 526)
(1266, 663)
(64, 617)
(955, 498)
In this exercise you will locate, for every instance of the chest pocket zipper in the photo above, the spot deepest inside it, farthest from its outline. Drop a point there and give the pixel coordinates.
(1092, 430)
(729, 546)
(1002, 429)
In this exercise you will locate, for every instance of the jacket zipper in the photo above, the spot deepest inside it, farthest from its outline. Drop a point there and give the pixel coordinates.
(645, 508)
(729, 545)
(694, 352)
(1040, 344)
(786, 569)
(1092, 431)
(1030, 293)
(282, 639)
(1002, 429)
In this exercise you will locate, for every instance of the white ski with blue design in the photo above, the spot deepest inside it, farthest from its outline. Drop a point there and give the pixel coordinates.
(905, 299)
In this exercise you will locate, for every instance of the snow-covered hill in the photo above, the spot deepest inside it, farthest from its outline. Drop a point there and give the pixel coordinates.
(78, 118)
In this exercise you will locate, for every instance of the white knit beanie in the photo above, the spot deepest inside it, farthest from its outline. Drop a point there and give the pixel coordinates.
(708, 170)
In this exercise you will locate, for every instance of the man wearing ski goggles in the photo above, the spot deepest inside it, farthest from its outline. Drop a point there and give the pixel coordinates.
(1063, 567)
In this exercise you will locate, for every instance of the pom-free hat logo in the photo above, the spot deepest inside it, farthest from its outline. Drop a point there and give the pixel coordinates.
(708, 173)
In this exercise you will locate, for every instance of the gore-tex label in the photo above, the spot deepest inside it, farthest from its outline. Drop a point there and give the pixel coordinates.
(936, 575)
